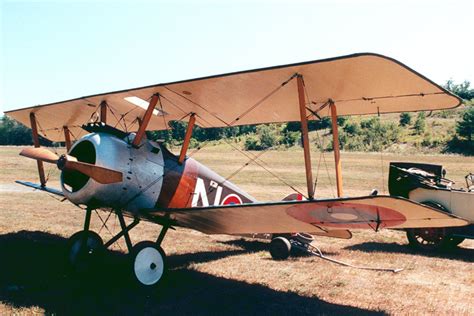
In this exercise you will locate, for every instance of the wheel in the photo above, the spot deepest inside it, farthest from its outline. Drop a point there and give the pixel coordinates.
(84, 251)
(428, 239)
(431, 239)
(280, 248)
(304, 238)
(148, 263)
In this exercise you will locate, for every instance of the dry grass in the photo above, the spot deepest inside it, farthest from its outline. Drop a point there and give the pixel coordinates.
(223, 274)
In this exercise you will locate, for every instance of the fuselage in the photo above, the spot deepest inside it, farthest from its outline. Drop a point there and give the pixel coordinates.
(152, 177)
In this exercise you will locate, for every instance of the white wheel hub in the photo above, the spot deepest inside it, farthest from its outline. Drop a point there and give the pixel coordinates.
(148, 266)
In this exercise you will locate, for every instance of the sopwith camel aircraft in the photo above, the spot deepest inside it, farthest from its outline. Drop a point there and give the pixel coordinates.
(112, 165)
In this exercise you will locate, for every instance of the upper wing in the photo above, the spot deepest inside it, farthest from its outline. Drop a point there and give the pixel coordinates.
(358, 84)
(370, 212)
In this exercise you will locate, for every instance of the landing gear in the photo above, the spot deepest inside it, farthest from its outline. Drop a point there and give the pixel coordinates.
(148, 260)
(148, 263)
(85, 251)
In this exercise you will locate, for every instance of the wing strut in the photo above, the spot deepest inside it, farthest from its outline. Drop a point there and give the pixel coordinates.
(146, 119)
(335, 141)
(67, 138)
(34, 132)
(304, 132)
(103, 112)
(187, 138)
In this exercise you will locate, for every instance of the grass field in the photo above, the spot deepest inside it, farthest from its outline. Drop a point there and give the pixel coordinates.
(224, 274)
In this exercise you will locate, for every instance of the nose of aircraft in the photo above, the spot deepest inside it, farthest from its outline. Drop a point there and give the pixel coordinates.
(73, 164)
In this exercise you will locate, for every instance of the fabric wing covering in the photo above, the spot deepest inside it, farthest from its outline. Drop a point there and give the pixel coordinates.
(331, 216)
(358, 84)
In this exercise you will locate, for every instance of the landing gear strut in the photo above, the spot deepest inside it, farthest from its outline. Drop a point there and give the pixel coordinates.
(85, 248)
(148, 260)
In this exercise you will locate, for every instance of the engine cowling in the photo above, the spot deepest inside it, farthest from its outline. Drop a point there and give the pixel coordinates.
(142, 170)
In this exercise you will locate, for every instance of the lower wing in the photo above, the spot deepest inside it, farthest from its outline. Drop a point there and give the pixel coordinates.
(314, 216)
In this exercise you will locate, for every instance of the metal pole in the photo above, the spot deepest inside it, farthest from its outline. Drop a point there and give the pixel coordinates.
(304, 131)
(34, 132)
(337, 154)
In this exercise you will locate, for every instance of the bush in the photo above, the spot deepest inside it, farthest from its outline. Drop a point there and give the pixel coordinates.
(370, 135)
(252, 143)
(352, 128)
(405, 119)
(465, 127)
(268, 135)
(420, 123)
(291, 138)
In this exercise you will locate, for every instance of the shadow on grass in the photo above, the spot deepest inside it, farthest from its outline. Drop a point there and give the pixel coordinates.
(33, 273)
(461, 254)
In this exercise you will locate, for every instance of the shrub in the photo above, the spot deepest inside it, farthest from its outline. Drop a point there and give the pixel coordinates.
(465, 127)
(352, 128)
(252, 143)
(291, 138)
(405, 119)
(370, 135)
(420, 123)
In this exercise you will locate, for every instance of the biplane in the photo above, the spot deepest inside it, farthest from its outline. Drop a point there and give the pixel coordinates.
(113, 166)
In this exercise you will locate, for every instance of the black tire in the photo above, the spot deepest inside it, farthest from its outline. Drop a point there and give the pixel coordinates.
(432, 239)
(280, 248)
(85, 251)
(427, 239)
(148, 264)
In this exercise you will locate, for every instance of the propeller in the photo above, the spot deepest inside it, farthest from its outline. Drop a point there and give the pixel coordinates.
(66, 162)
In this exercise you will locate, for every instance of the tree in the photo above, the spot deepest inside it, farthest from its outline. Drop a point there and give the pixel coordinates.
(463, 90)
(465, 127)
(12, 133)
(405, 119)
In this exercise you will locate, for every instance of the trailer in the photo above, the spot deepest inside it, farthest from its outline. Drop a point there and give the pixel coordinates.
(427, 184)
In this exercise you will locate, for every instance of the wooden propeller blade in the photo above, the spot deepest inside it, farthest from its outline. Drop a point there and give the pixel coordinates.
(39, 154)
(99, 174)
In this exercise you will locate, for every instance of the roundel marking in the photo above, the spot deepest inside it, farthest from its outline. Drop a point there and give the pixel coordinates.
(231, 199)
(346, 215)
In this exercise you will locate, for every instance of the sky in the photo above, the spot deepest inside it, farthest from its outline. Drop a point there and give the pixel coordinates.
(57, 50)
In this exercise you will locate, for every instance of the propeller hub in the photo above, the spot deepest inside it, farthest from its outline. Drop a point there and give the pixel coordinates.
(61, 163)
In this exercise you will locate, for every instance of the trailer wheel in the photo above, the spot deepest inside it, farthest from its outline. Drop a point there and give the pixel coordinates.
(280, 248)
(427, 239)
(431, 239)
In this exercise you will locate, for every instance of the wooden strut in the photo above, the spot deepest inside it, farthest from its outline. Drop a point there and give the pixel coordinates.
(103, 112)
(67, 138)
(337, 154)
(187, 138)
(145, 120)
(304, 131)
(34, 132)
